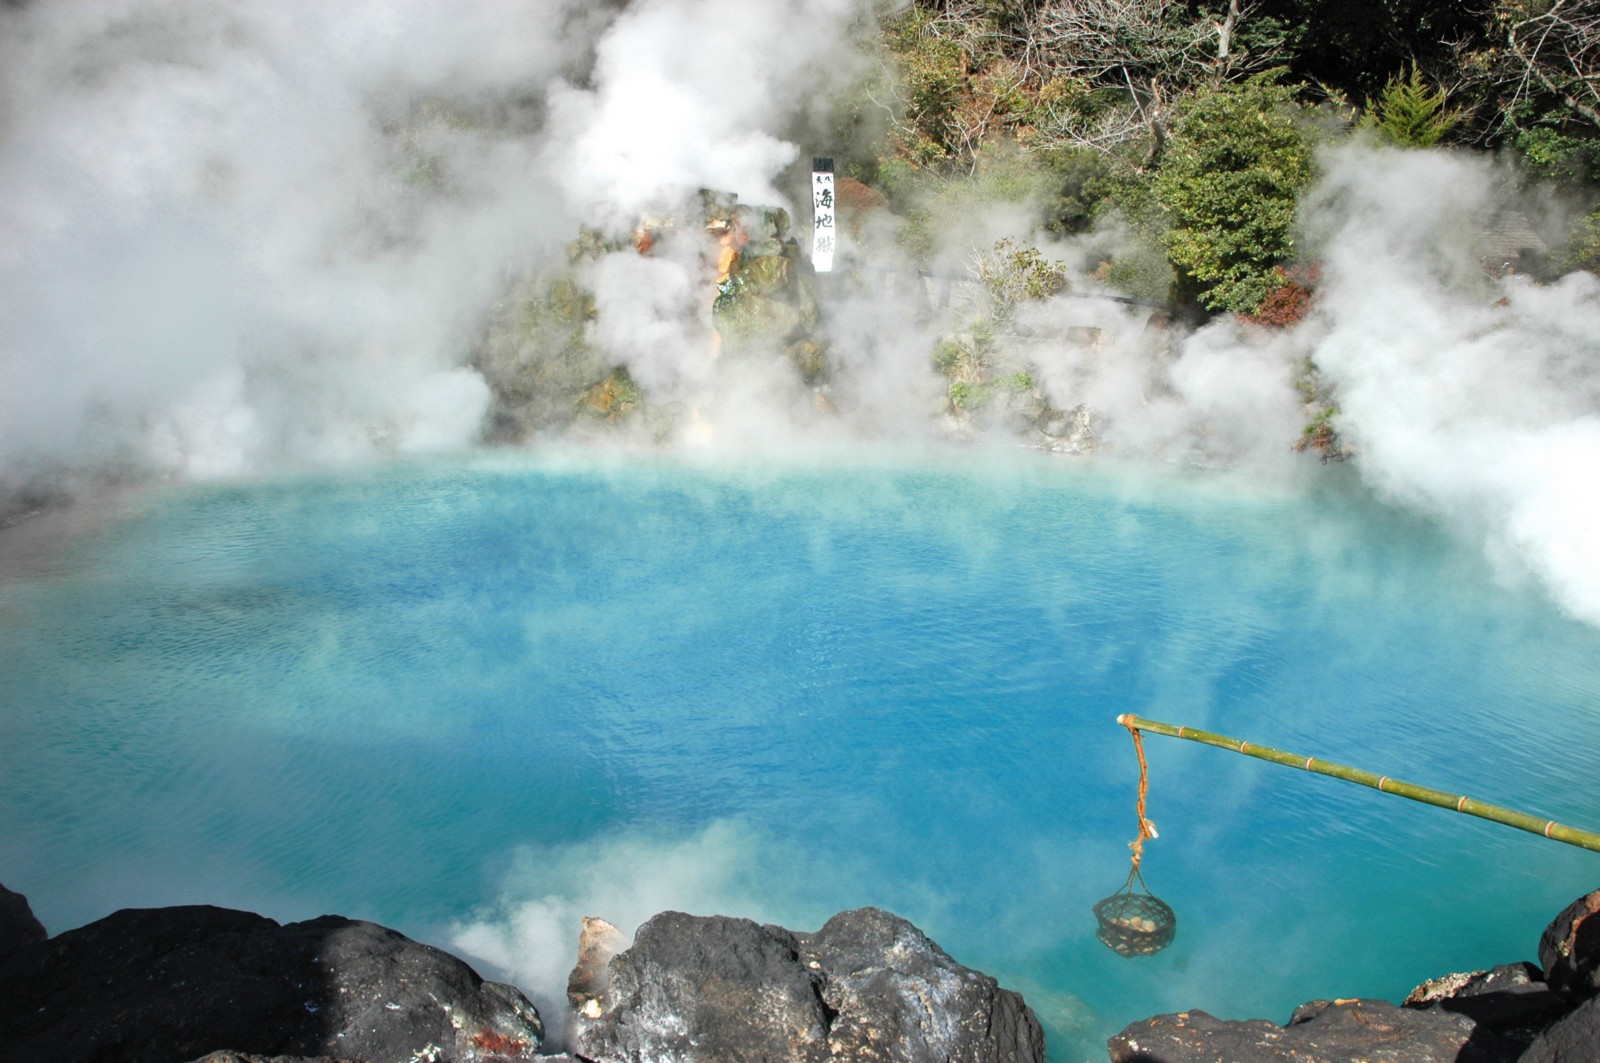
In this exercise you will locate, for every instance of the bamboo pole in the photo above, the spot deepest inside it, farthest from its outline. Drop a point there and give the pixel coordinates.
(1510, 817)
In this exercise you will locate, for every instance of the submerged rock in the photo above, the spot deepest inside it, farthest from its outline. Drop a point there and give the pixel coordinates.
(867, 986)
(166, 984)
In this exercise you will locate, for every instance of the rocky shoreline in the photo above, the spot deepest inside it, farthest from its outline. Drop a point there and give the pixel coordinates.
(213, 985)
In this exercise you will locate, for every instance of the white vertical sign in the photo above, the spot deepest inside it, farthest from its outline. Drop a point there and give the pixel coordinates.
(824, 232)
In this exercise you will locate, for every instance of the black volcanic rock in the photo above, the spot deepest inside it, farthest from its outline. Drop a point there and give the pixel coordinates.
(1570, 949)
(18, 925)
(1573, 1039)
(1320, 1032)
(895, 995)
(168, 984)
(1515, 1013)
(1512, 1000)
(247, 1057)
(868, 986)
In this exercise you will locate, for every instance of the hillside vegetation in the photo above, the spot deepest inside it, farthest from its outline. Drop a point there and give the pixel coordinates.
(1196, 122)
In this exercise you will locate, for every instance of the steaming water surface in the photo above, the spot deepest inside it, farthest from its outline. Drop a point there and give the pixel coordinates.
(478, 699)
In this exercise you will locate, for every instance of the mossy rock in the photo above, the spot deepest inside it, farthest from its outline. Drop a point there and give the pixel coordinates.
(811, 358)
(613, 398)
(764, 275)
(743, 317)
(763, 223)
(570, 304)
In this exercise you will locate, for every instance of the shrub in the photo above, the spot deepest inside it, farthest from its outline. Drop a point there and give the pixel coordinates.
(1234, 165)
(1013, 274)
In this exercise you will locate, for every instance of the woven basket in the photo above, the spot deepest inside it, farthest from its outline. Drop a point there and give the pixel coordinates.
(1135, 924)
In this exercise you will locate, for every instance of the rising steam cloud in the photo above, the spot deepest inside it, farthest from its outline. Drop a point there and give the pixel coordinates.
(1476, 400)
(235, 236)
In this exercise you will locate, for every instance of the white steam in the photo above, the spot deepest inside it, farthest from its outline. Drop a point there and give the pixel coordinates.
(531, 935)
(235, 235)
(686, 95)
(1473, 399)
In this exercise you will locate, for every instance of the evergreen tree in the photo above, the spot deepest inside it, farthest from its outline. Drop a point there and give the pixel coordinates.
(1409, 114)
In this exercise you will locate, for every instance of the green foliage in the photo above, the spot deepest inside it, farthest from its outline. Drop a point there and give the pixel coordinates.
(1012, 274)
(972, 360)
(1236, 161)
(1321, 431)
(932, 84)
(947, 356)
(1321, 435)
(968, 396)
(1583, 248)
(932, 203)
(1409, 114)
(1076, 183)
(1551, 148)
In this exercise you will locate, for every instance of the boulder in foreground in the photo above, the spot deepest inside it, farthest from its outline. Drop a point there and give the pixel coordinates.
(167, 984)
(868, 986)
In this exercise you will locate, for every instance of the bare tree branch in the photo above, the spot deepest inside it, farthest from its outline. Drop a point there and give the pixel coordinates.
(1557, 45)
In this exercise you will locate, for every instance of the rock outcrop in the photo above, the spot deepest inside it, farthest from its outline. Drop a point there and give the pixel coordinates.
(1515, 1013)
(868, 986)
(549, 369)
(1320, 1032)
(18, 925)
(169, 984)
(1570, 949)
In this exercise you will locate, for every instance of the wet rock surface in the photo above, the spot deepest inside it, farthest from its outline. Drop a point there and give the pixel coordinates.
(171, 984)
(867, 986)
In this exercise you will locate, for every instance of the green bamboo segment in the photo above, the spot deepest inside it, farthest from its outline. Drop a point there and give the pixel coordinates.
(1472, 807)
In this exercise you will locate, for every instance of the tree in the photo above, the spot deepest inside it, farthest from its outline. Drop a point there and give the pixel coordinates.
(1233, 168)
(1409, 114)
(1555, 45)
(1353, 47)
(1111, 70)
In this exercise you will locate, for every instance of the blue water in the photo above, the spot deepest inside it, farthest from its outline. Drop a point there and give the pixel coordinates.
(455, 697)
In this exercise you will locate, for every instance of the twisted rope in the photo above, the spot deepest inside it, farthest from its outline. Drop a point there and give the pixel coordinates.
(1146, 828)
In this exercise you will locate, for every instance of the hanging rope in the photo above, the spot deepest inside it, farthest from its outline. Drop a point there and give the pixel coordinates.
(1147, 829)
(1136, 922)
